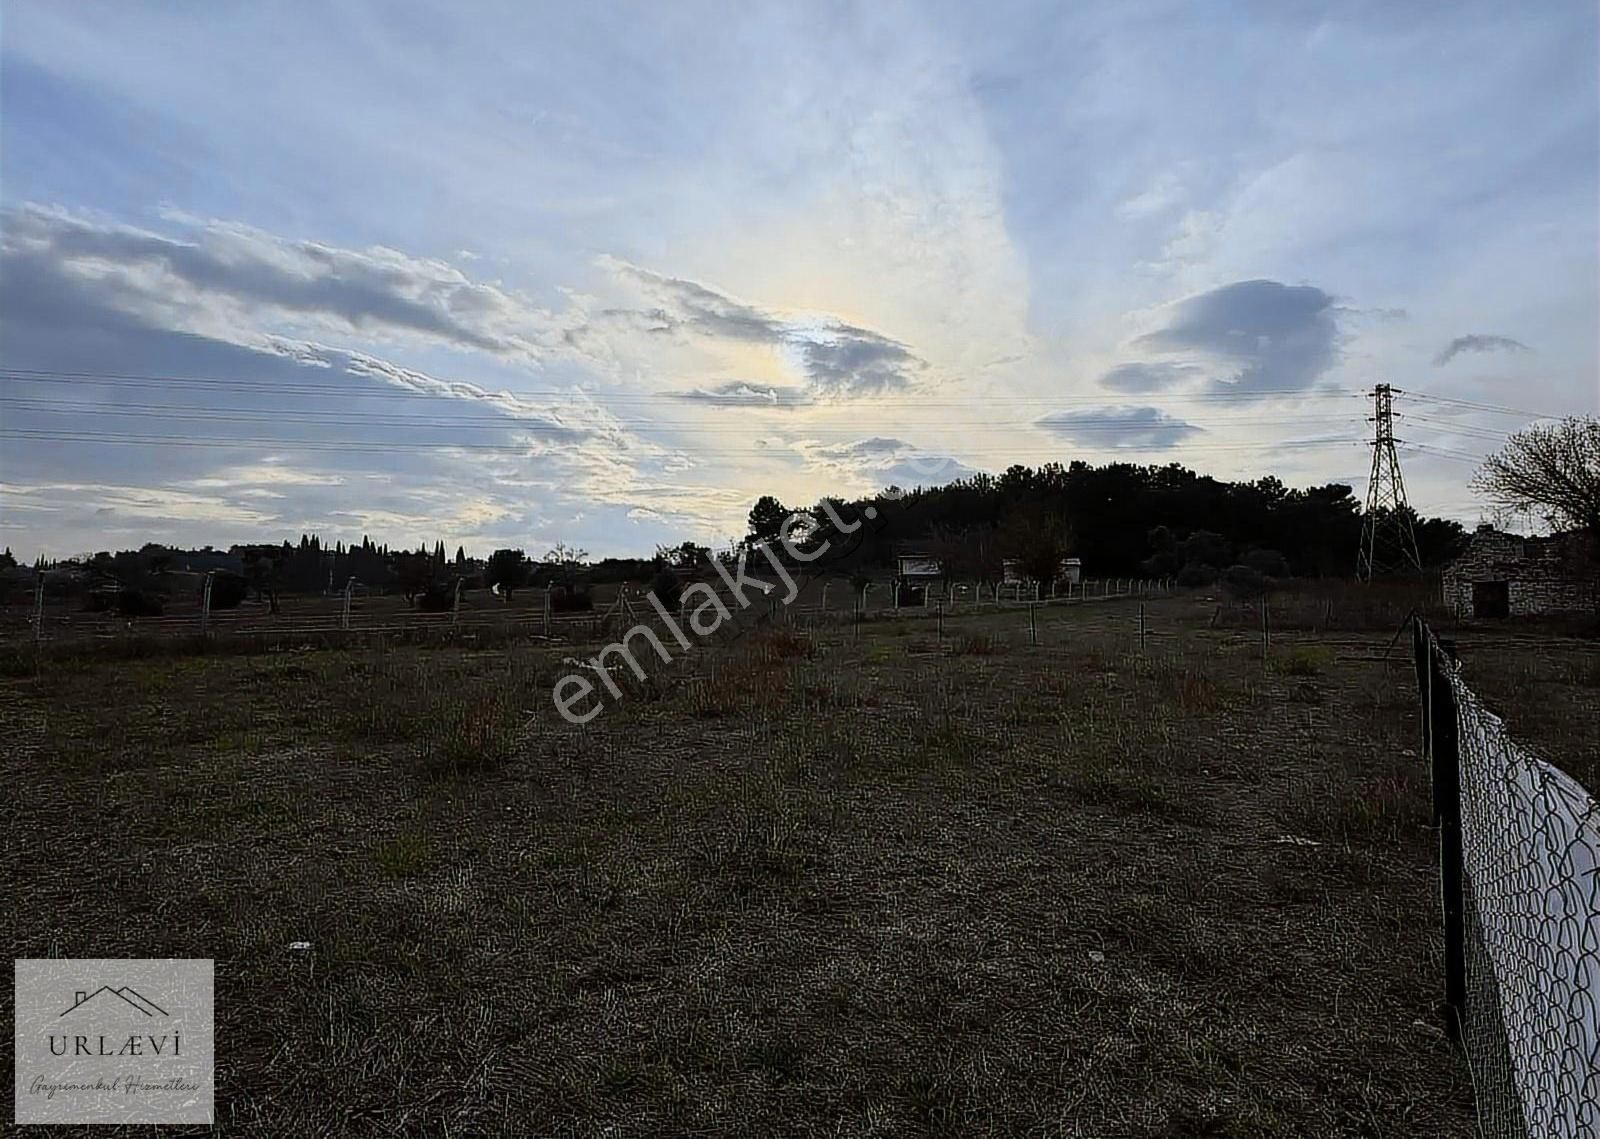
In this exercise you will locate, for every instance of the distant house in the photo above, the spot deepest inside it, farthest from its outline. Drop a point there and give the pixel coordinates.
(1508, 575)
(1069, 570)
(918, 567)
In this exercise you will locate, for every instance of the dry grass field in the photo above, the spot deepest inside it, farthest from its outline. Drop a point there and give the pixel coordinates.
(846, 881)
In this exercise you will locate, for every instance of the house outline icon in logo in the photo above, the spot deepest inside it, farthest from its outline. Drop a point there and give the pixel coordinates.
(125, 994)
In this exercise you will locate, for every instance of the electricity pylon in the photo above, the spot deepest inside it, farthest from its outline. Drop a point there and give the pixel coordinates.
(1388, 542)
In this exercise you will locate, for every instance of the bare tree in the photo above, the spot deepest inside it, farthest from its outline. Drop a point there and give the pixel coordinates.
(1549, 469)
(564, 555)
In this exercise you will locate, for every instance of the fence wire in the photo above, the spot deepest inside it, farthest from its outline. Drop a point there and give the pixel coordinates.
(1528, 1000)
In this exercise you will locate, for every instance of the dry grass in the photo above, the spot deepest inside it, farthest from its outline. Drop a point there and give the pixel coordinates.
(1543, 684)
(973, 644)
(849, 882)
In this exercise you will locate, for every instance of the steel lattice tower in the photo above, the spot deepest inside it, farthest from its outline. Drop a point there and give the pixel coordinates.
(1388, 542)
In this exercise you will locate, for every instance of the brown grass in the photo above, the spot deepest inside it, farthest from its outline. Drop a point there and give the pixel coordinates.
(806, 883)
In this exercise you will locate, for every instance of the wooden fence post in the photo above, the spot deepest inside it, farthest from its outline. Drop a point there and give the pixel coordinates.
(1033, 625)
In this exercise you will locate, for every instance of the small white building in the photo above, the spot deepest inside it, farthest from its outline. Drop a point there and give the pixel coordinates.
(918, 568)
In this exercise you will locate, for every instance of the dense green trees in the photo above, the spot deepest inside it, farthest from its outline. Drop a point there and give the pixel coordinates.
(506, 571)
(1125, 519)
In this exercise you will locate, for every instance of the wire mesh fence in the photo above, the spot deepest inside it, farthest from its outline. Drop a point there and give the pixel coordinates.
(1520, 879)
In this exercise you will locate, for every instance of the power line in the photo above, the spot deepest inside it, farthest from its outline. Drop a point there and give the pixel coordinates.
(394, 389)
(249, 415)
(371, 446)
(1489, 408)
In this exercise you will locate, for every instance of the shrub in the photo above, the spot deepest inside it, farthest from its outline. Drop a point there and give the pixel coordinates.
(1306, 660)
(228, 590)
(571, 601)
(1244, 582)
(1268, 563)
(135, 603)
(474, 735)
(439, 597)
(1194, 575)
(973, 644)
(779, 643)
(666, 588)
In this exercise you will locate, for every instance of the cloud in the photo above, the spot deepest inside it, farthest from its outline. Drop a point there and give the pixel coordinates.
(219, 276)
(745, 393)
(240, 285)
(837, 360)
(844, 360)
(1153, 376)
(877, 462)
(1475, 342)
(867, 450)
(1165, 193)
(277, 431)
(1271, 337)
(1119, 428)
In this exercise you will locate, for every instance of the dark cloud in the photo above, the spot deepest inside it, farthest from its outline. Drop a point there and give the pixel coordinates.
(1139, 378)
(1272, 337)
(838, 360)
(886, 462)
(863, 449)
(690, 305)
(225, 405)
(1129, 428)
(745, 393)
(1476, 342)
(923, 470)
(215, 266)
(853, 361)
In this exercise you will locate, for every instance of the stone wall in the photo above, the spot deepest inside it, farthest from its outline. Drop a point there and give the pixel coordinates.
(1544, 575)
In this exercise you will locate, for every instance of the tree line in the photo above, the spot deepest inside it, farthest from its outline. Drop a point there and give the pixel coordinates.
(1120, 520)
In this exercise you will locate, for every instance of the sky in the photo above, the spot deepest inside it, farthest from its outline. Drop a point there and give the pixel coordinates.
(518, 274)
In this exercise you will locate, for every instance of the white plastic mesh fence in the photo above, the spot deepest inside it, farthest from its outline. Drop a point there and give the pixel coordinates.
(1530, 838)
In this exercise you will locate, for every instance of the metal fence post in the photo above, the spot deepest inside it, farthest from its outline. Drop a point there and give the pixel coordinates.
(1445, 755)
(1420, 653)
